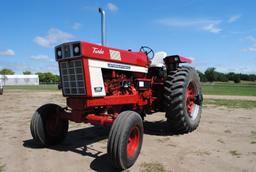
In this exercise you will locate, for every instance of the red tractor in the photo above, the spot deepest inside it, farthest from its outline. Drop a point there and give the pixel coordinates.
(117, 88)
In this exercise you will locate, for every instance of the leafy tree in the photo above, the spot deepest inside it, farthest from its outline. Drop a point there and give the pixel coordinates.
(211, 74)
(236, 78)
(252, 77)
(231, 76)
(202, 76)
(48, 77)
(244, 77)
(6, 71)
(27, 72)
(221, 77)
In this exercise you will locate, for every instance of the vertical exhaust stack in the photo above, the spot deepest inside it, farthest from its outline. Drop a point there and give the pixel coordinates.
(103, 26)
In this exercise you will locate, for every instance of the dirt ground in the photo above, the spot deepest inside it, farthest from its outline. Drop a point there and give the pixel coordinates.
(224, 141)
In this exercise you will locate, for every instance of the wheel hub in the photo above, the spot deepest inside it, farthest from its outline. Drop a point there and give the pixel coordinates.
(53, 125)
(133, 141)
(190, 99)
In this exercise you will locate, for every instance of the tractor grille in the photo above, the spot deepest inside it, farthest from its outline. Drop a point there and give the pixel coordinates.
(72, 76)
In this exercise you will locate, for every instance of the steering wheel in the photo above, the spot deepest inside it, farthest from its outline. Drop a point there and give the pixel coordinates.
(148, 51)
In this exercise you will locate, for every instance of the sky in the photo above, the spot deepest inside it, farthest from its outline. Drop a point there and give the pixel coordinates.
(214, 33)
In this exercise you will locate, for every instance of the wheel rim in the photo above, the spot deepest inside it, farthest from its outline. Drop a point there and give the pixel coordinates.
(53, 125)
(133, 142)
(190, 100)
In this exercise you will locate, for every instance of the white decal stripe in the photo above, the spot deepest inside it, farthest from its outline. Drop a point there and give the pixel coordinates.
(117, 66)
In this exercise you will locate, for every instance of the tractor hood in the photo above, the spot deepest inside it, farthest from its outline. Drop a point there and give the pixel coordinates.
(94, 51)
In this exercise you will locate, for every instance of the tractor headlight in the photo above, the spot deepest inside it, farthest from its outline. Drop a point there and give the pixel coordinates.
(58, 53)
(76, 49)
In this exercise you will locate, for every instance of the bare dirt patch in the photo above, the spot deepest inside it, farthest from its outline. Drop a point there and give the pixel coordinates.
(224, 141)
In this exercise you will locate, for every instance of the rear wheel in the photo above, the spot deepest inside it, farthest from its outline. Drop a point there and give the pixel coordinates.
(125, 139)
(183, 100)
(47, 128)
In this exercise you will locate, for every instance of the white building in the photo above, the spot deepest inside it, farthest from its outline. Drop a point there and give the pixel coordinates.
(20, 79)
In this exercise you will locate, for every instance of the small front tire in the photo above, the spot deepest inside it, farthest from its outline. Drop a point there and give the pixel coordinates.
(125, 139)
(47, 127)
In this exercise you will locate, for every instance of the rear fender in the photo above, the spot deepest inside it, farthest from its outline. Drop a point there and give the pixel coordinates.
(176, 59)
(172, 62)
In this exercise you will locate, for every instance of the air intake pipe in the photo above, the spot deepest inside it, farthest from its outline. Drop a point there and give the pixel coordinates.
(103, 26)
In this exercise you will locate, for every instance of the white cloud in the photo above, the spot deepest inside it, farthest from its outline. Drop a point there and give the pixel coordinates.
(234, 18)
(112, 7)
(76, 26)
(251, 38)
(212, 28)
(8, 52)
(252, 48)
(41, 57)
(201, 24)
(54, 37)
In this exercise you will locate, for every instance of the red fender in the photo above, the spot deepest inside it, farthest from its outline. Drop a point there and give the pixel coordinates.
(177, 59)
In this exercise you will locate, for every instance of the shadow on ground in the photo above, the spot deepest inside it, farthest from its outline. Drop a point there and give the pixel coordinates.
(78, 141)
(158, 128)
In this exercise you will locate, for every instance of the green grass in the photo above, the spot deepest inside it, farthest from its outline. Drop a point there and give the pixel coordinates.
(241, 89)
(152, 167)
(247, 104)
(235, 153)
(50, 87)
(2, 168)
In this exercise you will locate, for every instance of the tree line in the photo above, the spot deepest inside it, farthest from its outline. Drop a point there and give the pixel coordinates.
(44, 77)
(211, 75)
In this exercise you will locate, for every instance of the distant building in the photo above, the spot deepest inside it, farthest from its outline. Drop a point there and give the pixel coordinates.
(20, 79)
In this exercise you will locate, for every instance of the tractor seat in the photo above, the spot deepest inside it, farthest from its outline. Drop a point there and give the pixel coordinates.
(158, 60)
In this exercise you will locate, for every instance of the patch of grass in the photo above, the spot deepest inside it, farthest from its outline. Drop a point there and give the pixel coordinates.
(172, 145)
(235, 153)
(229, 88)
(253, 142)
(220, 141)
(152, 167)
(227, 131)
(48, 87)
(247, 104)
(253, 133)
(201, 153)
(2, 168)
(162, 140)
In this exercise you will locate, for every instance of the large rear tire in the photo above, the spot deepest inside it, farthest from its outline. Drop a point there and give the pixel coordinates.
(47, 128)
(183, 100)
(125, 139)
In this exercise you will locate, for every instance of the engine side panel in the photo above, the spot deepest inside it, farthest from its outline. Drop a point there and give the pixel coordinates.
(96, 76)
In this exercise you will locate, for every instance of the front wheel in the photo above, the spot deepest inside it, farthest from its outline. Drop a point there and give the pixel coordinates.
(47, 127)
(125, 139)
(183, 100)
